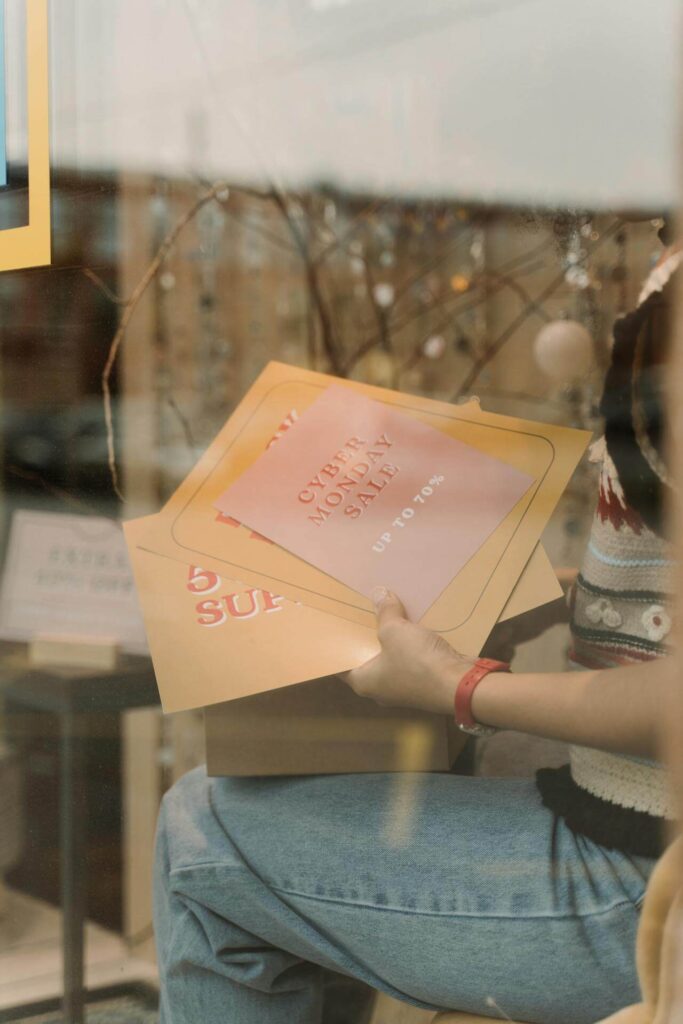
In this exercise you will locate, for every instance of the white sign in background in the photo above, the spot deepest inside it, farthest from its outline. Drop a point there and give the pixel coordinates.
(69, 575)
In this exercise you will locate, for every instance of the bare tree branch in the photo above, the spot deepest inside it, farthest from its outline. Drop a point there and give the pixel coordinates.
(312, 279)
(129, 308)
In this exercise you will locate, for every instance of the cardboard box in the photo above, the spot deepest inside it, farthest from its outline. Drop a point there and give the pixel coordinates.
(323, 727)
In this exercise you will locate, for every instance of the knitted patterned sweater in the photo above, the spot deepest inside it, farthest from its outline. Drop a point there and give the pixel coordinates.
(621, 614)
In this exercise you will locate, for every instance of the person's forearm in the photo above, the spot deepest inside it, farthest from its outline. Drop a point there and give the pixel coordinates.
(617, 709)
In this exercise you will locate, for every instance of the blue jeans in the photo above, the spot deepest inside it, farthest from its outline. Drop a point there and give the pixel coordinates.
(444, 891)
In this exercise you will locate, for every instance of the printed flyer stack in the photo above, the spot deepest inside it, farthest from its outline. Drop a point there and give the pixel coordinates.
(257, 573)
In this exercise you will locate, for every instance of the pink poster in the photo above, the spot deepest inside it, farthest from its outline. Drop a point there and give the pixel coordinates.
(374, 497)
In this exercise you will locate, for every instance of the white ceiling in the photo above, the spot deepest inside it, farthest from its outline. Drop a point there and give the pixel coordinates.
(547, 101)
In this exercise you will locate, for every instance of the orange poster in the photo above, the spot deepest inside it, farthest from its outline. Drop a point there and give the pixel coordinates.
(190, 529)
(214, 639)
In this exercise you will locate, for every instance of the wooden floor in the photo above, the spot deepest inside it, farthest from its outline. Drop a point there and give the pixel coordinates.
(30, 953)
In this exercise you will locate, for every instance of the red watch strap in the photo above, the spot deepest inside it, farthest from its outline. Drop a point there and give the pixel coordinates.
(467, 686)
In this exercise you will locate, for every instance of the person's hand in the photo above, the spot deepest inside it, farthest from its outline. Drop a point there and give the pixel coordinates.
(415, 668)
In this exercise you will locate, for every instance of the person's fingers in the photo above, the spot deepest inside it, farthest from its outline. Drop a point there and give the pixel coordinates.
(364, 679)
(388, 607)
(351, 674)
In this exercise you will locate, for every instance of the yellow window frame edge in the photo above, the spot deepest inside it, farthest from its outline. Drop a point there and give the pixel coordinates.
(30, 245)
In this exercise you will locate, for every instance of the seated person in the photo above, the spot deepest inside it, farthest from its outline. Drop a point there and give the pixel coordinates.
(512, 897)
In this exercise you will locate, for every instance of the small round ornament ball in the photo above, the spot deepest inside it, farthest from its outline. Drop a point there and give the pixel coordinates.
(563, 350)
(378, 368)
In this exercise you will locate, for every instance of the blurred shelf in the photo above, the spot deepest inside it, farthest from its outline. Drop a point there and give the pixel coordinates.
(31, 954)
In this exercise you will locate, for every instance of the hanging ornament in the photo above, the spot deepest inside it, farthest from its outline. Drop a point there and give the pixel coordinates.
(563, 350)
(577, 277)
(477, 248)
(383, 294)
(576, 273)
(378, 368)
(435, 346)
(158, 207)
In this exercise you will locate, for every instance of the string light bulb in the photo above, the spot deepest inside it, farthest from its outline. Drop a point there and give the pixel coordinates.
(435, 346)
(460, 283)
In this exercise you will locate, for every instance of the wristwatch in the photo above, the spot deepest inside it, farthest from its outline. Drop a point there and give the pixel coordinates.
(464, 719)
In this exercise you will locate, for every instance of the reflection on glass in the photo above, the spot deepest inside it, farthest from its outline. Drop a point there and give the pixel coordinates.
(450, 200)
